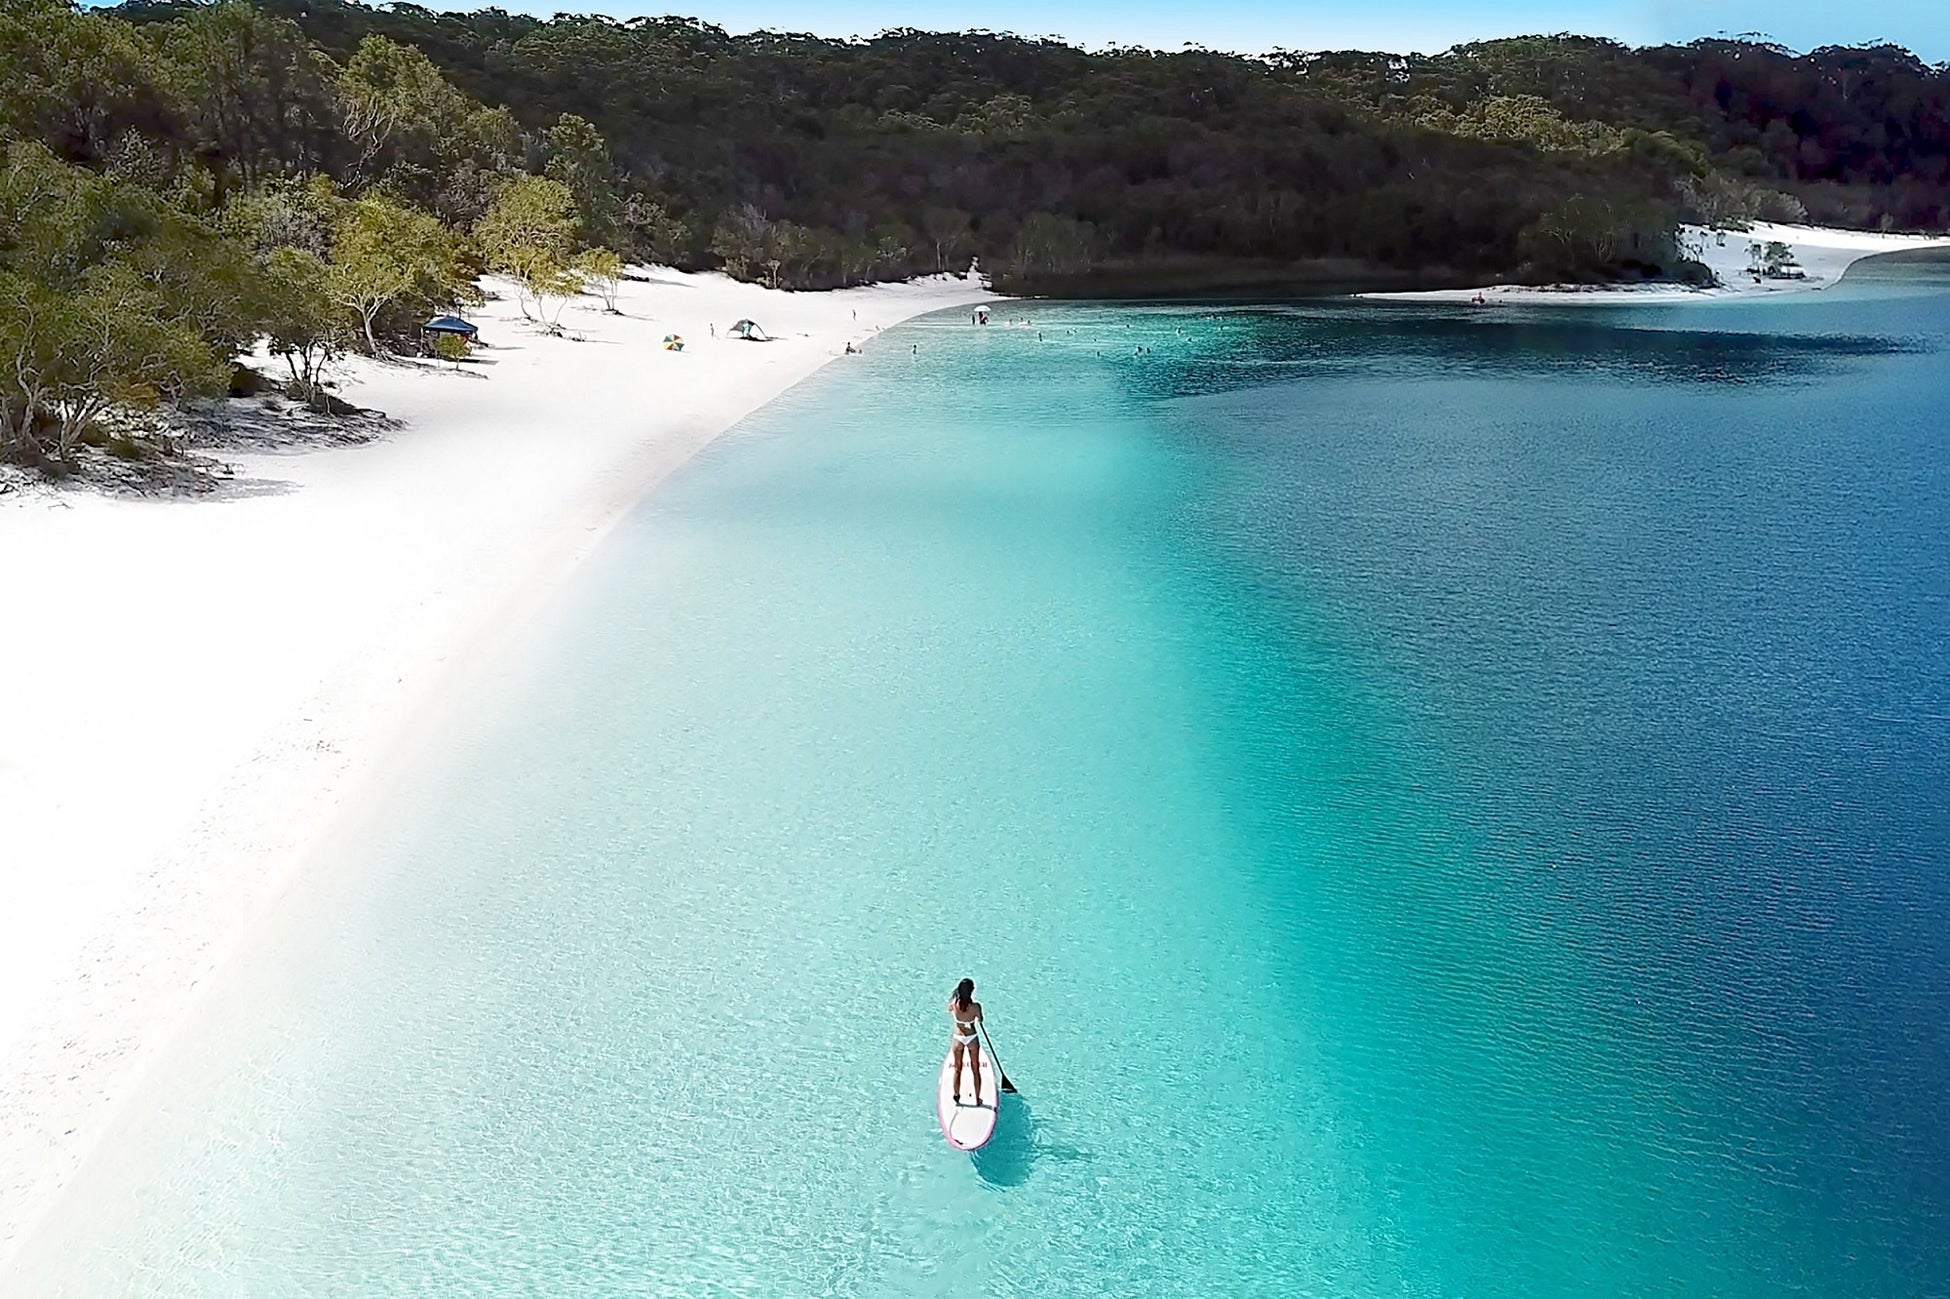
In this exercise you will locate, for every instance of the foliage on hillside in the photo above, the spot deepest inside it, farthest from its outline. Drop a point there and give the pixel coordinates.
(182, 178)
(817, 161)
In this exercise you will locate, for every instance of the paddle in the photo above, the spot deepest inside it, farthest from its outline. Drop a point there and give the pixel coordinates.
(1002, 1073)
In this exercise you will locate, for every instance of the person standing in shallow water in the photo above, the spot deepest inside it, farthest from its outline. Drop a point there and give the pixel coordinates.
(967, 1014)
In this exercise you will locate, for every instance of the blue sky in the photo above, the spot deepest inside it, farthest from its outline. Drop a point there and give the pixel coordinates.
(1258, 25)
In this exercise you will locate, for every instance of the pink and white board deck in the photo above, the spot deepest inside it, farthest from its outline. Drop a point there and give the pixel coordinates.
(967, 1126)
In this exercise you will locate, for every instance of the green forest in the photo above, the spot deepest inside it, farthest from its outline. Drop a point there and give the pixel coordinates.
(183, 179)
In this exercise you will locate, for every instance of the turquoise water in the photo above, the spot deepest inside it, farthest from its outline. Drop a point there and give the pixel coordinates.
(1438, 803)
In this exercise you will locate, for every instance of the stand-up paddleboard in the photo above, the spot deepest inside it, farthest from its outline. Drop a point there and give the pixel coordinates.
(967, 1126)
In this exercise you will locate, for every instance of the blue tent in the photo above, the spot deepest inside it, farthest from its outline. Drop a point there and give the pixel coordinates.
(452, 325)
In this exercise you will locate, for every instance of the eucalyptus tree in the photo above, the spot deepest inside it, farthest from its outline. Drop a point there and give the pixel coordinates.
(107, 297)
(305, 325)
(578, 159)
(602, 274)
(78, 82)
(529, 235)
(258, 98)
(385, 255)
(418, 136)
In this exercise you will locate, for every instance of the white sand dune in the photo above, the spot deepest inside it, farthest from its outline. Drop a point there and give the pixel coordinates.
(1822, 255)
(194, 685)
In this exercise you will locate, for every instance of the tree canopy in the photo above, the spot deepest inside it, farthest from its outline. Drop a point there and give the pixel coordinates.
(807, 161)
(186, 176)
(838, 159)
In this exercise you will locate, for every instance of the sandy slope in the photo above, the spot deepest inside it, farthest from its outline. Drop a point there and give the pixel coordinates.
(192, 685)
(1823, 254)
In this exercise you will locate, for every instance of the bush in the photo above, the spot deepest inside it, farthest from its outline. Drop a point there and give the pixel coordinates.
(246, 382)
(1697, 274)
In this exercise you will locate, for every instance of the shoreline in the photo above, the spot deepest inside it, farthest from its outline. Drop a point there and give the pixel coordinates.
(212, 680)
(1823, 253)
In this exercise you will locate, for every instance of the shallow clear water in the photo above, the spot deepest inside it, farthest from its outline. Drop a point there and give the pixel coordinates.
(1438, 803)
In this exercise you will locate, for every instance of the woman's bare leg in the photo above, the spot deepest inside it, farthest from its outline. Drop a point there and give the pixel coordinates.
(960, 1051)
(975, 1067)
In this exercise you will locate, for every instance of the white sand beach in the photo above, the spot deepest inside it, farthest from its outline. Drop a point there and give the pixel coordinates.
(196, 684)
(1821, 254)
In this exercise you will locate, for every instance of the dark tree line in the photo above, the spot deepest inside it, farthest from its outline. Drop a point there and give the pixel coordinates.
(811, 162)
(180, 177)
(815, 161)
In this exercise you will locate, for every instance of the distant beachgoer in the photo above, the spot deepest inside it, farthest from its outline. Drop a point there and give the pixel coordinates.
(967, 1014)
(714, 329)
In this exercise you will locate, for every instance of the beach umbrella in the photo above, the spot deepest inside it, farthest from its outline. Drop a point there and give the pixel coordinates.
(748, 330)
(673, 343)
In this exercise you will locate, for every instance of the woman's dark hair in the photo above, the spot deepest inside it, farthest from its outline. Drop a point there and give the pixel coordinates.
(964, 994)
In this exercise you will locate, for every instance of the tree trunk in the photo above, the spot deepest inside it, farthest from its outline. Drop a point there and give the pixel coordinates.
(73, 422)
(20, 437)
(29, 438)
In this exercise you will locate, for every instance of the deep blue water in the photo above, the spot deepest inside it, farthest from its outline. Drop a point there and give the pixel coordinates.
(1439, 802)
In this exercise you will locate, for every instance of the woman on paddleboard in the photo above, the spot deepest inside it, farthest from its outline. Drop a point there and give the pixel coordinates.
(967, 1014)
